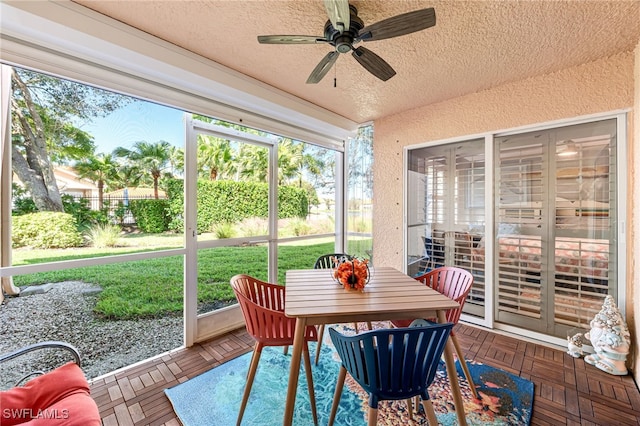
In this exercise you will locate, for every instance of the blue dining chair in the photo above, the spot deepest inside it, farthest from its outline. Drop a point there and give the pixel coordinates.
(455, 283)
(391, 364)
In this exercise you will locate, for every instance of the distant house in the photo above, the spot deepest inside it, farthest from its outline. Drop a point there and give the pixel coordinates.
(69, 183)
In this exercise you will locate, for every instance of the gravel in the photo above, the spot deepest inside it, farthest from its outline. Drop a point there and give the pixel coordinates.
(65, 313)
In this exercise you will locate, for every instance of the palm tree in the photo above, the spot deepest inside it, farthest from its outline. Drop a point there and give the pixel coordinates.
(296, 158)
(320, 165)
(151, 158)
(176, 160)
(100, 169)
(290, 160)
(252, 163)
(215, 157)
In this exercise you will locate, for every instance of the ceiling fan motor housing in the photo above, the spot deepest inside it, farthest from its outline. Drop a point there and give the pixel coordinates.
(343, 42)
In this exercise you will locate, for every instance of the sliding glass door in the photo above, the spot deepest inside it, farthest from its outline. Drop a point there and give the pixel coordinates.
(552, 201)
(445, 215)
(556, 237)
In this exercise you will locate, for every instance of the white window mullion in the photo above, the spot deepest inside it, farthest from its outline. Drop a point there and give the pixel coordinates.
(273, 213)
(621, 207)
(190, 233)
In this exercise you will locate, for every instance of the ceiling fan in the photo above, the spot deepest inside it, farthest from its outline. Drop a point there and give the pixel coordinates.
(344, 29)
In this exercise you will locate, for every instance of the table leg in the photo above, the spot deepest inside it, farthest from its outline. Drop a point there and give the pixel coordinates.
(294, 370)
(453, 375)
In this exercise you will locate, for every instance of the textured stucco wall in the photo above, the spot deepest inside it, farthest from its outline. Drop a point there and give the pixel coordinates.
(600, 86)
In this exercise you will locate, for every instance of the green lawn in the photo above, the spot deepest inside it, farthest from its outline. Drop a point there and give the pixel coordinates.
(154, 287)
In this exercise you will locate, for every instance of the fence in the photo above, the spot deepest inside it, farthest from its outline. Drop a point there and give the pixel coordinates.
(113, 204)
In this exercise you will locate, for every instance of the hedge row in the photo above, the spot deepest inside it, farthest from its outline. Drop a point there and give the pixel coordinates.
(151, 215)
(231, 201)
(217, 201)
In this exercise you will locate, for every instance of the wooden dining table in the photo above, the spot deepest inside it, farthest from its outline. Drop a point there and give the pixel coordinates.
(313, 297)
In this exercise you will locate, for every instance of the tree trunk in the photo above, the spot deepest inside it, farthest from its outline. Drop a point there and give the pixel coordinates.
(156, 177)
(33, 167)
(34, 183)
(100, 194)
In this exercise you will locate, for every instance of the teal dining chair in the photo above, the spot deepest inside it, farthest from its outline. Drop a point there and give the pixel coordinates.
(391, 364)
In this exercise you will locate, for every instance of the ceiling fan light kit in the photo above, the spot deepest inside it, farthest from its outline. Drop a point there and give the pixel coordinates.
(344, 29)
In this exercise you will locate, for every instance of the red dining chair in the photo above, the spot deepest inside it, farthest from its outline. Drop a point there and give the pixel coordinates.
(328, 261)
(262, 306)
(454, 283)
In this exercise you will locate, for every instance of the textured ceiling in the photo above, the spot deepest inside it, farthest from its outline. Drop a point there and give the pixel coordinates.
(474, 46)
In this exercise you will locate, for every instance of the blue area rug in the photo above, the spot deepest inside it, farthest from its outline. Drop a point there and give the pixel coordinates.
(213, 398)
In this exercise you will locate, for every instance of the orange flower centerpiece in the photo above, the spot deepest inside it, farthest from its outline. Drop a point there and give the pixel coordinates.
(351, 273)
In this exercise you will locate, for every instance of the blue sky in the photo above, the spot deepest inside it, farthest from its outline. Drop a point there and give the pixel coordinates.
(138, 121)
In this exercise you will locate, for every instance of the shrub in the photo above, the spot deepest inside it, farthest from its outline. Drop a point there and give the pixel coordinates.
(223, 230)
(120, 212)
(151, 215)
(292, 202)
(84, 216)
(45, 230)
(297, 227)
(104, 235)
(22, 202)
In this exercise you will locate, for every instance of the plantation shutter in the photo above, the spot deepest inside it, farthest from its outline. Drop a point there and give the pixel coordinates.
(519, 216)
(555, 240)
(469, 216)
(585, 182)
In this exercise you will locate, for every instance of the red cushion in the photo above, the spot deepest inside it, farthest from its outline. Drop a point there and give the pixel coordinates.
(60, 397)
(77, 409)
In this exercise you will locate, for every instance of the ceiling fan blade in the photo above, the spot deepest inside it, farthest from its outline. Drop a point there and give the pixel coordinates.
(395, 26)
(323, 67)
(290, 39)
(373, 63)
(339, 14)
